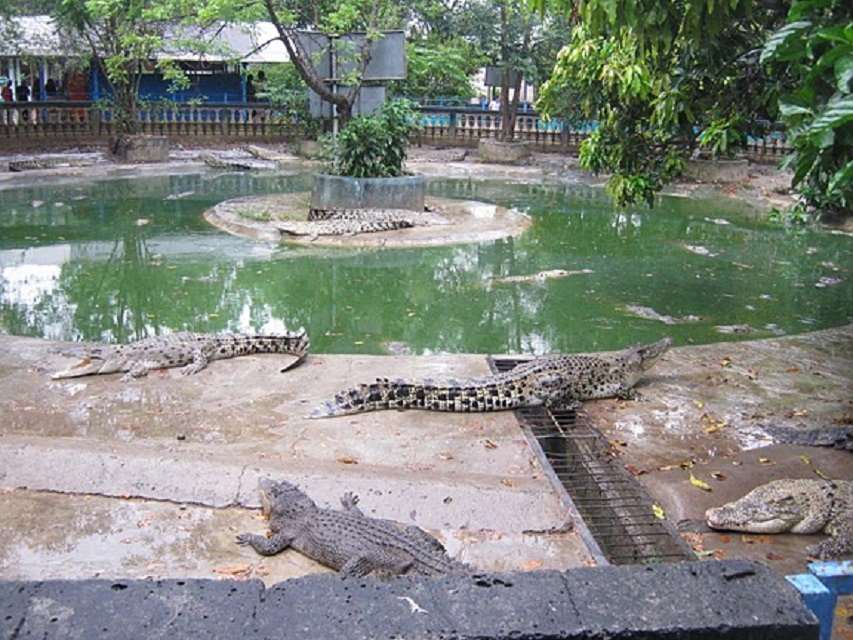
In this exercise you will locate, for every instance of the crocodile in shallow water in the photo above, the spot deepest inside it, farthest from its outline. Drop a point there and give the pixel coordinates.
(192, 351)
(340, 222)
(795, 506)
(347, 541)
(549, 380)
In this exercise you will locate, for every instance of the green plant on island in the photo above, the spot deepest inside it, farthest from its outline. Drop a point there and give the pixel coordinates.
(373, 146)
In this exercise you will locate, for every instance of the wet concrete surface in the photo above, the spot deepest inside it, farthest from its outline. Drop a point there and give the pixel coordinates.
(201, 442)
(84, 461)
(702, 410)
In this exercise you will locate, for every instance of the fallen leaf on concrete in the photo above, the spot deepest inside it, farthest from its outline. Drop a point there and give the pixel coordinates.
(507, 482)
(753, 539)
(725, 539)
(712, 423)
(699, 404)
(489, 444)
(347, 460)
(704, 553)
(774, 556)
(806, 459)
(532, 565)
(445, 456)
(634, 471)
(792, 370)
(699, 484)
(726, 362)
(618, 443)
(241, 570)
(660, 514)
(766, 461)
(716, 475)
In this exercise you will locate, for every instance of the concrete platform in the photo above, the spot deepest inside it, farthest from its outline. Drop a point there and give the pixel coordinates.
(155, 477)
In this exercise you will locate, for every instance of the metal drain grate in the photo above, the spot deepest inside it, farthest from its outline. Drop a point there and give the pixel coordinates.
(616, 510)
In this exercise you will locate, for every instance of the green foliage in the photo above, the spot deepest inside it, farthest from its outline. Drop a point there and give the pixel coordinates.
(285, 89)
(814, 53)
(374, 146)
(435, 69)
(648, 73)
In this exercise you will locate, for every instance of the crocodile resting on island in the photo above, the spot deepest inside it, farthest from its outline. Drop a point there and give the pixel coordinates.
(550, 380)
(347, 541)
(192, 351)
(341, 222)
(795, 506)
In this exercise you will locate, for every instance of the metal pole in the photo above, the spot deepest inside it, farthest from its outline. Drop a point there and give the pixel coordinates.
(334, 63)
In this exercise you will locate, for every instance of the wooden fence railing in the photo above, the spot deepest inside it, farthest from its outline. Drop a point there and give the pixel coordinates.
(85, 120)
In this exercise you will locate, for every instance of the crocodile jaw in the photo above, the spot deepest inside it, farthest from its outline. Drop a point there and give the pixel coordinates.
(650, 353)
(728, 519)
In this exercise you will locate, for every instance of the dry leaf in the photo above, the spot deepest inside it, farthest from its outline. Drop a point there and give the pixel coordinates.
(489, 444)
(792, 370)
(699, 404)
(806, 459)
(704, 554)
(347, 460)
(725, 362)
(618, 443)
(660, 514)
(766, 461)
(531, 565)
(358, 341)
(716, 475)
(774, 556)
(696, 482)
(634, 471)
(445, 456)
(241, 570)
(507, 482)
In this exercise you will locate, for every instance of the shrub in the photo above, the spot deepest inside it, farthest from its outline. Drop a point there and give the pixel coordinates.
(374, 146)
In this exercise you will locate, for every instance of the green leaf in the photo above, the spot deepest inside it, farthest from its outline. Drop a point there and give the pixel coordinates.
(780, 38)
(838, 111)
(788, 109)
(844, 73)
(842, 178)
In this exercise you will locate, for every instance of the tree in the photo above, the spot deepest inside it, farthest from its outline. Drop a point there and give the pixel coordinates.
(436, 68)
(335, 18)
(122, 37)
(813, 53)
(651, 72)
(515, 38)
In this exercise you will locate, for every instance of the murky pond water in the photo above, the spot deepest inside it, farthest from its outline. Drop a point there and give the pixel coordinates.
(121, 259)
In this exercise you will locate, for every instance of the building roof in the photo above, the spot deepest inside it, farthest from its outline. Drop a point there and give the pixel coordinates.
(257, 43)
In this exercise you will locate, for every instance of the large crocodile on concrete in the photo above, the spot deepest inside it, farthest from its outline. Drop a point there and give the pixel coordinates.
(347, 541)
(549, 380)
(340, 222)
(192, 351)
(795, 506)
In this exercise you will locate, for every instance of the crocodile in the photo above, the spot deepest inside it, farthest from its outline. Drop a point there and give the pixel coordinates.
(192, 351)
(550, 380)
(218, 163)
(348, 541)
(795, 506)
(837, 436)
(338, 222)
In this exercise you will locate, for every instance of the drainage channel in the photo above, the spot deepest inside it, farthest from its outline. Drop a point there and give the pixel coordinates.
(619, 524)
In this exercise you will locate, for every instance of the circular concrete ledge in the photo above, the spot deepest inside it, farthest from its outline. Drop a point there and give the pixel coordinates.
(468, 221)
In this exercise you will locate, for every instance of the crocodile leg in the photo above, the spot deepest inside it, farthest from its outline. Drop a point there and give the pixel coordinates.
(837, 546)
(266, 546)
(138, 369)
(359, 566)
(199, 362)
(349, 501)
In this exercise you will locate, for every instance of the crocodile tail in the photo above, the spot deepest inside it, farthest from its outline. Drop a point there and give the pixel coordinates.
(382, 394)
(296, 343)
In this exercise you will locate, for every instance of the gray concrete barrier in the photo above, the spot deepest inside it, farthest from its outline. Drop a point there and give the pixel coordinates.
(726, 600)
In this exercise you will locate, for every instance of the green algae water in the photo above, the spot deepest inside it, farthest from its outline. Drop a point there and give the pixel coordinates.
(122, 259)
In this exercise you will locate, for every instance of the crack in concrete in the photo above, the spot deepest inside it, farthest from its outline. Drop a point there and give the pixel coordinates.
(235, 502)
(141, 498)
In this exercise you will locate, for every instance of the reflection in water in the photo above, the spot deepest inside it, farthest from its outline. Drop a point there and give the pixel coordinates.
(88, 270)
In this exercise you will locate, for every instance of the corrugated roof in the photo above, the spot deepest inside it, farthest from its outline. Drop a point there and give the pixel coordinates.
(254, 43)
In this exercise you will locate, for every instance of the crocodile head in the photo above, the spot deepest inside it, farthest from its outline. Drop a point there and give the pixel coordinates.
(798, 506)
(283, 499)
(646, 355)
